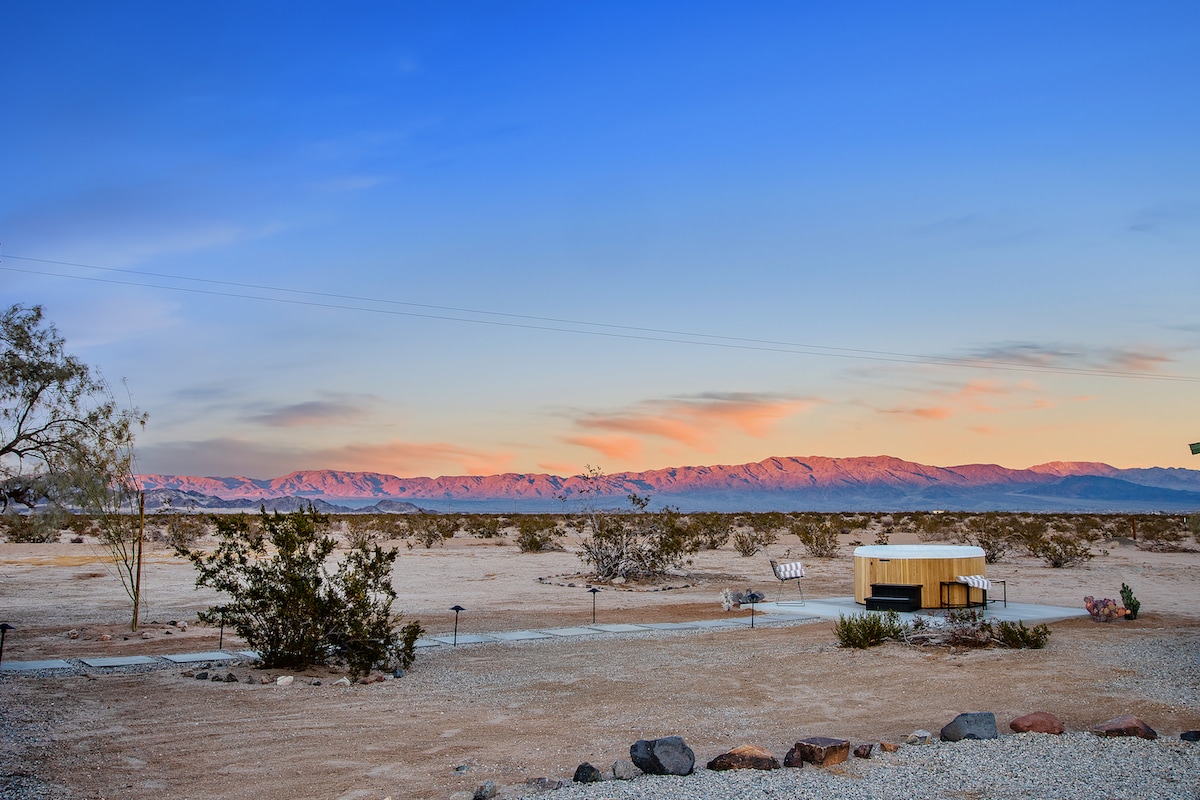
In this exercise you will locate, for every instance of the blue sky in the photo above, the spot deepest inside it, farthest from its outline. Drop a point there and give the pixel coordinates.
(451, 238)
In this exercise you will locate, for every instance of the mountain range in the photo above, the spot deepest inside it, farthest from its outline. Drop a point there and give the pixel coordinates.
(869, 483)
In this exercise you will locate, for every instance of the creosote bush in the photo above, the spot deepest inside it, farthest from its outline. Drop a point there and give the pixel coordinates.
(820, 539)
(868, 628)
(291, 607)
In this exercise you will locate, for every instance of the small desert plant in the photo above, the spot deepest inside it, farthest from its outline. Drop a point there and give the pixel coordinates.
(868, 629)
(1018, 637)
(431, 529)
(1131, 603)
(819, 539)
(967, 628)
(883, 536)
(1060, 550)
(31, 528)
(747, 543)
(483, 526)
(536, 532)
(1105, 610)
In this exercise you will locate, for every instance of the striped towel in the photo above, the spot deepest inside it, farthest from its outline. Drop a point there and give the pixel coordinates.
(786, 572)
(976, 581)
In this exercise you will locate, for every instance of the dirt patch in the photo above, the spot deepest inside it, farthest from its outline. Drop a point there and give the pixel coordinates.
(511, 711)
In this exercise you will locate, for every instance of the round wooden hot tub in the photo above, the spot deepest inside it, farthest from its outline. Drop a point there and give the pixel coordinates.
(926, 564)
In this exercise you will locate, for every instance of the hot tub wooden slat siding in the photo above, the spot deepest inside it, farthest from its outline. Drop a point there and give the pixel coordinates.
(908, 564)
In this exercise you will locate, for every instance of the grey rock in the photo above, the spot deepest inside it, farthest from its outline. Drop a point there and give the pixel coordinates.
(230, 678)
(971, 725)
(918, 737)
(544, 784)
(669, 755)
(625, 770)
(1190, 736)
(202, 676)
(486, 791)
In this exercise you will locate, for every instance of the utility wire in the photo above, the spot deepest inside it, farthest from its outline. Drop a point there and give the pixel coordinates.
(555, 324)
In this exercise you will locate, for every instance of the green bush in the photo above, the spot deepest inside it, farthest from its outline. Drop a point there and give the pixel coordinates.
(819, 539)
(868, 629)
(1017, 636)
(1061, 550)
(287, 603)
(536, 532)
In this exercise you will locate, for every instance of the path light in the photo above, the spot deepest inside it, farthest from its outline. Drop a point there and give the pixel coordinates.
(593, 592)
(1195, 448)
(456, 609)
(4, 629)
(752, 598)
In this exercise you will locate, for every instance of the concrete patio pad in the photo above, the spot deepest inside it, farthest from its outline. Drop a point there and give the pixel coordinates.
(518, 636)
(192, 658)
(118, 661)
(571, 631)
(463, 638)
(30, 666)
(620, 627)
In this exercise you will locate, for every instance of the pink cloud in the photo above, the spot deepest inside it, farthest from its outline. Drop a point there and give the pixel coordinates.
(613, 447)
(695, 421)
(937, 412)
(416, 458)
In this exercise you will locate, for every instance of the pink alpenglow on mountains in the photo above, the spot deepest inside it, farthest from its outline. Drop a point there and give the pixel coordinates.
(793, 483)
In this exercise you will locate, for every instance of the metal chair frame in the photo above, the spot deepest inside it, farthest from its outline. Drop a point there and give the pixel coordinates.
(782, 580)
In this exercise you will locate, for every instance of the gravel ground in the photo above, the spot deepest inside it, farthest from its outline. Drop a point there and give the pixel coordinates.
(1026, 766)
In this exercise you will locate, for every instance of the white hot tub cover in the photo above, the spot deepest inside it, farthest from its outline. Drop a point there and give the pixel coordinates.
(918, 551)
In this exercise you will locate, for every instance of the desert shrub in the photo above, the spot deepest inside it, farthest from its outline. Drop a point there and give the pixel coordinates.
(430, 529)
(35, 527)
(1060, 550)
(868, 629)
(819, 539)
(638, 545)
(1132, 604)
(966, 628)
(290, 605)
(484, 526)
(1162, 533)
(747, 543)
(177, 527)
(1018, 637)
(883, 535)
(709, 529)
(536, 532)
(1193, 523)
(991, 534)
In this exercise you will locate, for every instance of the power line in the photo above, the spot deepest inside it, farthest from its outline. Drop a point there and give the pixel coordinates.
(557, 324)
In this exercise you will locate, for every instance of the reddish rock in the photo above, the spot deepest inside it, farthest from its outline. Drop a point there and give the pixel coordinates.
(863, 750)
(748, 756)
(1037, 722)
(1124, 725)
(820, 751)
(889, 747)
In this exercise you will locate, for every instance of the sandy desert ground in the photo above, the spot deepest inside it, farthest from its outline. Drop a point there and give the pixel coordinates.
(512, 711)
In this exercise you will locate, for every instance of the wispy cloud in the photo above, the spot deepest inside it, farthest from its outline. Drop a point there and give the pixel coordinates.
(1146, 360)
(314, 413)
(694, 421)
(416, 458)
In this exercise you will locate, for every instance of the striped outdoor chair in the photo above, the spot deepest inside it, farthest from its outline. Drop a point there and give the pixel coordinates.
(792, 571)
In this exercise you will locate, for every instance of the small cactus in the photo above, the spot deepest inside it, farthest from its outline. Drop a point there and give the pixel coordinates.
(1131, 603)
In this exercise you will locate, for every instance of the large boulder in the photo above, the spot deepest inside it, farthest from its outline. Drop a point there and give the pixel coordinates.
(748, 756)
(971, 725)
(820, 751)
(1038, 722)
(1124, 725)
(669, 755)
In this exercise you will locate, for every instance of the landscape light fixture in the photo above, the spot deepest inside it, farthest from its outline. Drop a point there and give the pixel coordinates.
(4, 629)
(456, 609)
(1195, 448)
(593, 592)
(752, 598)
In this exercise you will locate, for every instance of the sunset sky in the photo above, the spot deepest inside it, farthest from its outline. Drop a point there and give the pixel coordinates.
(475, 237)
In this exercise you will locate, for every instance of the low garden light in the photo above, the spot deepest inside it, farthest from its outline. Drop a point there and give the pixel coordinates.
(593, 592)
(752, 598)
(1195, 448)
(456, 609)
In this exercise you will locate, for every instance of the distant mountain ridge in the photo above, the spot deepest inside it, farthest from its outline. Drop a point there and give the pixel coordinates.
(790, 483)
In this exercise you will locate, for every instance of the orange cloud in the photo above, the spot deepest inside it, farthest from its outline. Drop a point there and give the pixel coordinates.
(416, 458)
(939, 412)
(612, 447)
(695, 421)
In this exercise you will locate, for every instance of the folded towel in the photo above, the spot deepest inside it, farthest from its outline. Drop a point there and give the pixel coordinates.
(976, 581)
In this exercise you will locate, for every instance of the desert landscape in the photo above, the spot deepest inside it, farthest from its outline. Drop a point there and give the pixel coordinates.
(513, 711)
